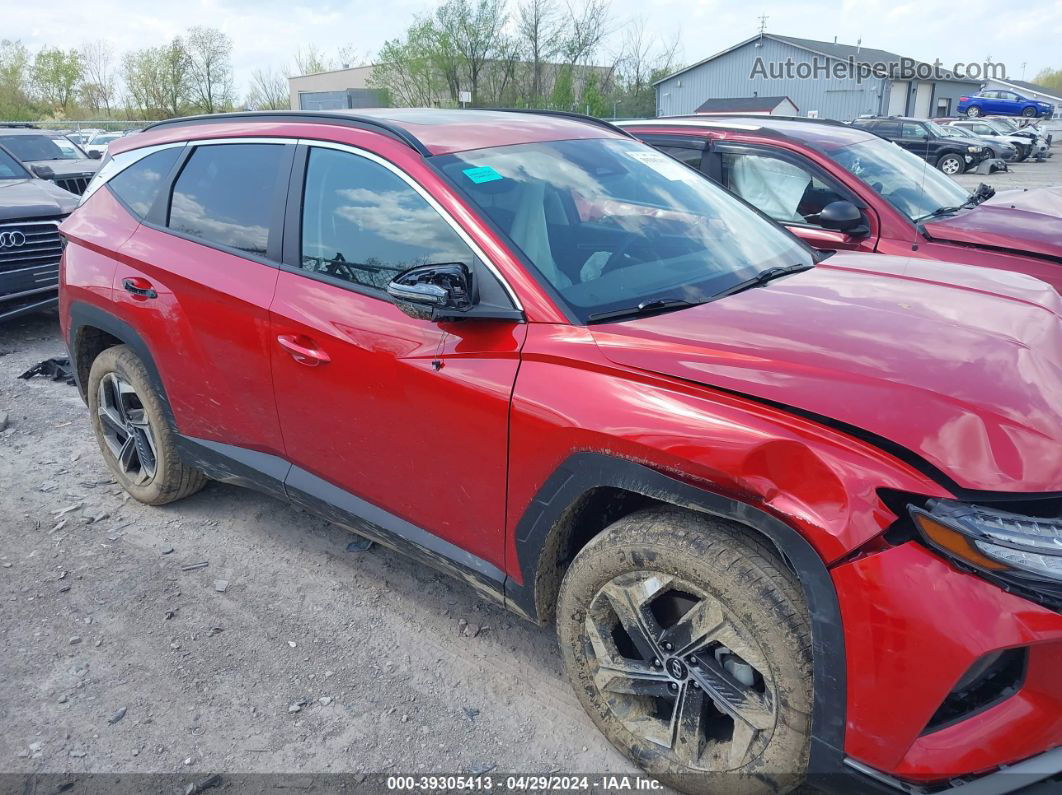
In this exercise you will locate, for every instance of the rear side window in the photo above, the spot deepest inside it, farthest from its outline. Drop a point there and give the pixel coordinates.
(225, 195)
(887, 128)
(363, 224)
(138, 186)
(691, 157)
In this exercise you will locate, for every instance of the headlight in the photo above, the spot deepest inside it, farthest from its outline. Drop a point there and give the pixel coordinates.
(1024, 550)
(973, 149)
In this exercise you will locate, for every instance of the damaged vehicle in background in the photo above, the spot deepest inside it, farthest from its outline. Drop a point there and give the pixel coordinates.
(795, 516)
(839, 187)
(1034, 131)
(1001, 151)
(31, 210)
(50, 155)
(928, 141)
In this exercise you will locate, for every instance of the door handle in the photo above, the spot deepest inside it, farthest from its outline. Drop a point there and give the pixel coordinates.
(303, 349)
(141, 288)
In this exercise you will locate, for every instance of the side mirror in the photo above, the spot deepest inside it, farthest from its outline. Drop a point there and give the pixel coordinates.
(95, 154)
(433, 292)
(43, 172)
(842, 216)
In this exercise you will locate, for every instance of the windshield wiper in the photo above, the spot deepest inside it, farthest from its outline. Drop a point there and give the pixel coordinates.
(644, 308)
(762, 278)
(983, 193)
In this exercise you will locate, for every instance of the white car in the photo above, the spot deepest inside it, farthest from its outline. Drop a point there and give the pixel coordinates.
(99, 142)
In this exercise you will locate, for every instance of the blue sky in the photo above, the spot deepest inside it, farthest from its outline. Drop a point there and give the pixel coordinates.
(267, 32)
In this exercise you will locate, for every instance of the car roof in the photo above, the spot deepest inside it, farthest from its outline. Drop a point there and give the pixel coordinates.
(430, 131)
(27, 131)
(822, 133)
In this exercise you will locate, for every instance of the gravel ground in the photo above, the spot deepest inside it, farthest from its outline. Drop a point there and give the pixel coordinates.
(1029, 174)
(313, 659)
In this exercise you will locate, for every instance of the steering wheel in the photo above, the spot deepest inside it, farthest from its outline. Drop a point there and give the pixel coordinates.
(614, 261)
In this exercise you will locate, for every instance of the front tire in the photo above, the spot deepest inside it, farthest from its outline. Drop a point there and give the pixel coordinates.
(1028, 112)
(131, 428)
(689, 645)
(1023, 153)
(951, 165)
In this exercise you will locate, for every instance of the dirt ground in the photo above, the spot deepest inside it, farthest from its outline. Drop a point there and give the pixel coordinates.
(313, 658)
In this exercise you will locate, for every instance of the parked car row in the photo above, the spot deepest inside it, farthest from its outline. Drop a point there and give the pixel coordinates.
(761, 487)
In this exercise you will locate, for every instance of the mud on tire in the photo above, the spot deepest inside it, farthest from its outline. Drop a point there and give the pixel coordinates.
(688, 643)
(132, 431)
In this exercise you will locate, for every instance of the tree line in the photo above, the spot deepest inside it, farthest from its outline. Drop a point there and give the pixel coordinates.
(563, 54)
(534, 54)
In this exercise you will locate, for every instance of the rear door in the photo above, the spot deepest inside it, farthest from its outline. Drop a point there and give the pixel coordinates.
(196, 278)
(400, 421)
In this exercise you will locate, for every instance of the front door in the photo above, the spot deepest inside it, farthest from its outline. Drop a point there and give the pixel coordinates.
(399, 421)
(790, 190)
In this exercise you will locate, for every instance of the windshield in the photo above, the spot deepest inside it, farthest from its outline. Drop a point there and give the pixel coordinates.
(1002, 125)
(613, 223)
(11, 168)
(905, 180)
(41, 147)
(935, 128)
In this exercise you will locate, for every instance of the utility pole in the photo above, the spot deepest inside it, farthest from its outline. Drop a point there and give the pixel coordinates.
(763, 23)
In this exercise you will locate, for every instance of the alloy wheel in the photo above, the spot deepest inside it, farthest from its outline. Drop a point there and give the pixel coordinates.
(678, 670)
(126, 430)
(950, 166)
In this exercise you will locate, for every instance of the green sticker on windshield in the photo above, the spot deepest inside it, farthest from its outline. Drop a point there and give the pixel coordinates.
(482, 174)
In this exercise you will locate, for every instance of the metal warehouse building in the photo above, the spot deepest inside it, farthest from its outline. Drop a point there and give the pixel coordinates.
(819, 77)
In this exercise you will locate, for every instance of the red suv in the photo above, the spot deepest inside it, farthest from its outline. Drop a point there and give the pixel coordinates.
(840, 187)
(792, 515)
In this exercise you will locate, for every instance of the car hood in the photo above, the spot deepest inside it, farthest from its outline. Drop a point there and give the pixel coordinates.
(1018, 220)
(960, 365)
(65, 168)
(34, 198)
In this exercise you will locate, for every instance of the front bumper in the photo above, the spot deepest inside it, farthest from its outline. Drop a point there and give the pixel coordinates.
(914, 625)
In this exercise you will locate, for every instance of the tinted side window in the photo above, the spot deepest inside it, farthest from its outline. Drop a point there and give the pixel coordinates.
(363, 224)
(138, 186)
(225, 195)
(887, 128)
(913, 130)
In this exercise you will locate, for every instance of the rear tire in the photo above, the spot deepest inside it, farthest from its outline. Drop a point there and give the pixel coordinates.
(131, 428)
(973, 111)
(688, 643)
(951, 165)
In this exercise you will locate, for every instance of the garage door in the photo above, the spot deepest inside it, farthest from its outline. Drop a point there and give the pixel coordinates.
(923, 96)
(898, 98)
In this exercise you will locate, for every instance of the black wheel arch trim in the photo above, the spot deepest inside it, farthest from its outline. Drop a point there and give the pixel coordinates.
(582, 472)
(81, 315)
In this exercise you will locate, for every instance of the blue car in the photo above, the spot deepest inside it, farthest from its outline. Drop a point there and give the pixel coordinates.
(1003, 103)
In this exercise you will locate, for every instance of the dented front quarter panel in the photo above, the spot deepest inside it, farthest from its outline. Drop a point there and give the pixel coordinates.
(570, 398)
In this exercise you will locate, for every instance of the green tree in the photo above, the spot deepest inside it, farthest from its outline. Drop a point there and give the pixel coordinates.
(474, 29)
(1050, 78)
(209, 53)
(269, 90)
(406, 68)
(15, 101)
(56, 75)
(563, 96)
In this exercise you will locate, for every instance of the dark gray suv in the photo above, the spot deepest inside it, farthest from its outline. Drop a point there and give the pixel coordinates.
(30, 247)
(50, 155)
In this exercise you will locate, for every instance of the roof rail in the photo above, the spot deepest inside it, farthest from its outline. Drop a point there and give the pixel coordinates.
(825, 122)
(565, 114)
(320, 117)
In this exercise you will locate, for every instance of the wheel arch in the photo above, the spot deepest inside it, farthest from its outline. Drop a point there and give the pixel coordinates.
(589, 491)
(92, 330)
